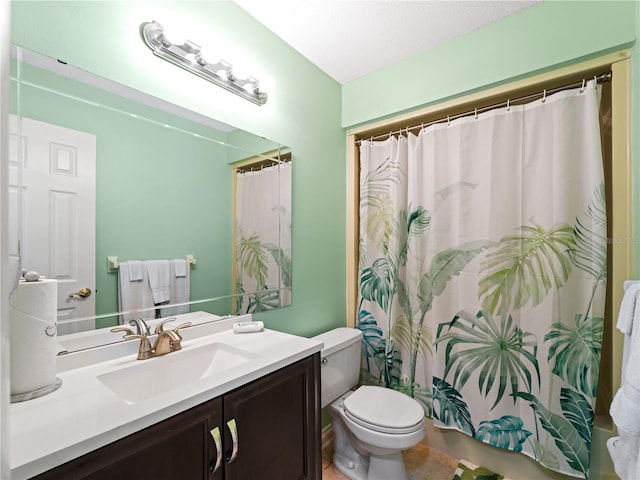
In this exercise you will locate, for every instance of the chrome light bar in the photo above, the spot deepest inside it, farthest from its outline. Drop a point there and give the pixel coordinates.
(189, 57)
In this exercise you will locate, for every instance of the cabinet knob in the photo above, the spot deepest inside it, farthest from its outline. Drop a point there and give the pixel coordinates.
(217, 440)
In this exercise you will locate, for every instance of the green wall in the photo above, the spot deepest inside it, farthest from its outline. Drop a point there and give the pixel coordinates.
(545, 36)
(303, 112)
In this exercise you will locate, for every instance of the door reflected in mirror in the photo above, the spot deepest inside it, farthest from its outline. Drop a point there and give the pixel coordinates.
(96, 174)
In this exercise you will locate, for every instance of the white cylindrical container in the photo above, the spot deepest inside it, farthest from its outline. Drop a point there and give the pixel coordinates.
(33, 313)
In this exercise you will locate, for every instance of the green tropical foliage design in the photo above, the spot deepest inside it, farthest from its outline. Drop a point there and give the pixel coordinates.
(265, 299)
(489, 353)
(566, 437)
(590, 238)
(499, 352)
(506, 432)
(283, 261)
(252, 260)
(574, 352)
(451, 409)
(525, 267)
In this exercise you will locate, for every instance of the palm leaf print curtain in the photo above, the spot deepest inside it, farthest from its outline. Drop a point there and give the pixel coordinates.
(263, 238)
(483, 272)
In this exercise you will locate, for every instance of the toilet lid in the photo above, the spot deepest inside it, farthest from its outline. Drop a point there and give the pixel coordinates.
(384, 410)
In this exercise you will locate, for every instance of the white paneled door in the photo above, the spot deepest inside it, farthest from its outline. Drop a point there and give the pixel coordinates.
(56, 224)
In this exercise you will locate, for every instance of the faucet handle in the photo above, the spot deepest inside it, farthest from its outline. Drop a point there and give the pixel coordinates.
(127, 331)
(160, 326)
(181, 326)
(176, 338)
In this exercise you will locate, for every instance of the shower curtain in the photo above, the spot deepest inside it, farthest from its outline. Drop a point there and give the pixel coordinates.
(263, 238)
(482, 273)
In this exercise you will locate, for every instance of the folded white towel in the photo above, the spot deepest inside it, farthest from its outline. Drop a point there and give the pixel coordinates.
(624, 451)
(136, 273)
(628, 307)
(625, 407)
(134, 297)
(181, 266)
(159, 281)
(180, 289)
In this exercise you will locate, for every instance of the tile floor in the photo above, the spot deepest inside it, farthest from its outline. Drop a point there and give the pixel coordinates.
(421, 461)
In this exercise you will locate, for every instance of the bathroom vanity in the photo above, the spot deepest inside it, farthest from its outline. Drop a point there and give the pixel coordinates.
(230, 406)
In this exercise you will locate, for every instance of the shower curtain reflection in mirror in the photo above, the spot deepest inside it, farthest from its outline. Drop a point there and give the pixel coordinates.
(263, 237)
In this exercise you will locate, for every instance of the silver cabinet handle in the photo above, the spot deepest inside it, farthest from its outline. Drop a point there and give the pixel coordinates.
(233, 429)
(217, 439)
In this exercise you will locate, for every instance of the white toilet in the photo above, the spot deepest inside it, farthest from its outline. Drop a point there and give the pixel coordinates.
(372, 425)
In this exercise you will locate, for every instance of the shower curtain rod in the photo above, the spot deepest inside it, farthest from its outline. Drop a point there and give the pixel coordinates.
(603, 78)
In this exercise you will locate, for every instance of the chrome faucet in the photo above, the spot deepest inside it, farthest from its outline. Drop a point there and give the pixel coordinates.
(141, 326)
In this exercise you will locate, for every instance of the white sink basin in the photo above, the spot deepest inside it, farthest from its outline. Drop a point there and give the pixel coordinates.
(148, 378)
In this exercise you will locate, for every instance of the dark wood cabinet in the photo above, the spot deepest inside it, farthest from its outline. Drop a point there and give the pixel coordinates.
(277, 422)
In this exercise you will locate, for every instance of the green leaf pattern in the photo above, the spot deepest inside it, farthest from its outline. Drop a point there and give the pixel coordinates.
(506, 432)
(452, 409)
(473, 371)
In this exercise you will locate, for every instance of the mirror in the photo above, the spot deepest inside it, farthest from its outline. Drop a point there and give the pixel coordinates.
(122, 174)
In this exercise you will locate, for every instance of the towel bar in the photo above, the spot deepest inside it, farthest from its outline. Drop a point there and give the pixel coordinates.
(113, 263)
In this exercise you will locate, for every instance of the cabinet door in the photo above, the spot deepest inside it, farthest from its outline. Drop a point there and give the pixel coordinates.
(278, 425)
(178, 448)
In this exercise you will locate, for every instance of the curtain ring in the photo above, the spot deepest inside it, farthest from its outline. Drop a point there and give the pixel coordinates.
(476, 113)
(448, 121)
(584, 82)
(508, 104)
(544, 96)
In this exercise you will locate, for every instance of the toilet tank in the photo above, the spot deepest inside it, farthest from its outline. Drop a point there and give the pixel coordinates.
(340, 367)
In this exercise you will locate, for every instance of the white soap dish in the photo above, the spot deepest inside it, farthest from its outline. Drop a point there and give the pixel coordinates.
(248, 327)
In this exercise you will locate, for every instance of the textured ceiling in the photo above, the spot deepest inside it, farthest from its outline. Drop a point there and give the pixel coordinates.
(351, 38)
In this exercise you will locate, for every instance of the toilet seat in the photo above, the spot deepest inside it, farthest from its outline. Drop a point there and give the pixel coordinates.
(384, 410)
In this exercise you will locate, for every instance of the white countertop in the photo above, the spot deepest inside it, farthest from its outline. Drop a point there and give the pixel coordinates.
(83, 414)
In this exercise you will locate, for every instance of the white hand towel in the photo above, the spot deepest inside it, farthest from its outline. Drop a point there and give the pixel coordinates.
(136, 273)
(181, 266)
(625, 407)
(159, 280)
(627, 308)
(134, 298)
(180, 289)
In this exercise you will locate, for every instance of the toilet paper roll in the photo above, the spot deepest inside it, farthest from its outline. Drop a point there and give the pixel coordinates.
(32, 314)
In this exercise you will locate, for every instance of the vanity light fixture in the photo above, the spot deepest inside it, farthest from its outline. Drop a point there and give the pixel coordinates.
(189, 57)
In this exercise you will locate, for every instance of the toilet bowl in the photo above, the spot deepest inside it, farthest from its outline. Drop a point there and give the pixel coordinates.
(371, 424)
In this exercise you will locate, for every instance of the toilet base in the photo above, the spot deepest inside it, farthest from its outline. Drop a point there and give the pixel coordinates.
(353, 466)
(382, 467)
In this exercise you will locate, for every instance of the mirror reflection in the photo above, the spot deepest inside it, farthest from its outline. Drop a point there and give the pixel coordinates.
(111, 189)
